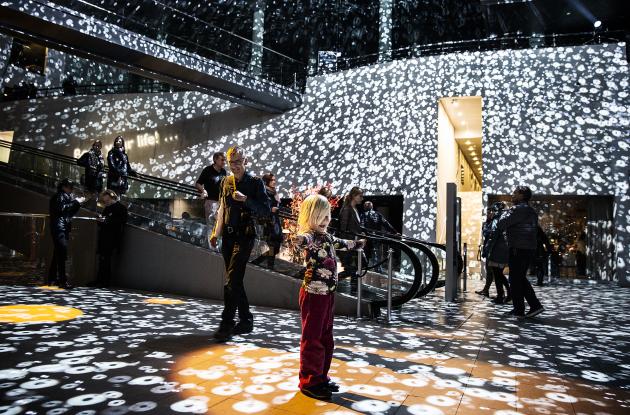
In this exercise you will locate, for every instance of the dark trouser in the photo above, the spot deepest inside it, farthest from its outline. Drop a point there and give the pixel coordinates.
(236, 251)
(316, 344)
(489, 279)
(522, 290)
(57, 270)
(499, 281)
(541, 269)
(104, 267)
(580, 262)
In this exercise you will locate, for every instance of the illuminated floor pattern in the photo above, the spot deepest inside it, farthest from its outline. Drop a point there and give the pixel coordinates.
(136, 352)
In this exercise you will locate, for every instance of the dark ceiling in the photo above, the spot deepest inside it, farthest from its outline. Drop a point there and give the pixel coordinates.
(300, 29)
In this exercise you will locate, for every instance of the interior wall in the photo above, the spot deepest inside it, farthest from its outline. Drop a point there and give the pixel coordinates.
(554, 118)
(447, 168)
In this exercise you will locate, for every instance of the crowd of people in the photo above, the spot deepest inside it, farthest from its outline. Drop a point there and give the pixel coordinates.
(234, 204)
(513, 238)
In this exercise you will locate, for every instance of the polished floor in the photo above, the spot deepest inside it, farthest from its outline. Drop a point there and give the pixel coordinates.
(101, 351)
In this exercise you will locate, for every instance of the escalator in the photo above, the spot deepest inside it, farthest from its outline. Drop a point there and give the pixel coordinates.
(172, 255)
(156, 40)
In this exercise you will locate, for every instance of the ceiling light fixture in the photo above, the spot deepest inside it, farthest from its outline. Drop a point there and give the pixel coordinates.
(597, 24)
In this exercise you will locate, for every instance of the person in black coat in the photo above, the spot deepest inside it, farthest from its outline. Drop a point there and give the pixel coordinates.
(543, 250)
(350, 228)
(242, 200)
(273, 226)
(520, 223)
(94, 167)
(119, 168)
(486, 232)
(496, 252)
(63, 206)
(111, 225)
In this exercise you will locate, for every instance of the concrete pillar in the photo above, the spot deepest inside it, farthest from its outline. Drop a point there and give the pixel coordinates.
(385, 30)
(258, 30)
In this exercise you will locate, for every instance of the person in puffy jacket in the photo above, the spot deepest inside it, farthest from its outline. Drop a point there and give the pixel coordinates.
(94, 167)
(119, 167)
(486, 232)
(520, 223)
(63, 206)
(497, 253)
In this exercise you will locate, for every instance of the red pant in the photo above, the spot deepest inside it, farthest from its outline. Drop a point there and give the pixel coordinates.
(316, 345)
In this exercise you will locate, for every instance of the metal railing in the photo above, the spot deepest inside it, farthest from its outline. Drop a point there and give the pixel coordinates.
(508, 41)
(19, 92)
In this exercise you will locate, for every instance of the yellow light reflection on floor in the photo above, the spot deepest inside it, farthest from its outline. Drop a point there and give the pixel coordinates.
(37, 313)
(50, 287)
(164, 301)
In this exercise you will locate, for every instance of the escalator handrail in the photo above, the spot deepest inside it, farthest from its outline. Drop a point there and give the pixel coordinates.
(435, 267)
(142, 178)
(416, 285)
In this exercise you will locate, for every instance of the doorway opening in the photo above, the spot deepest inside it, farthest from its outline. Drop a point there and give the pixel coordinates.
(580, 231)
(5, 152)
(460, 161)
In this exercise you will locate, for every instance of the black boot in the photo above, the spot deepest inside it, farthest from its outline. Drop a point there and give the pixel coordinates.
(224, 332)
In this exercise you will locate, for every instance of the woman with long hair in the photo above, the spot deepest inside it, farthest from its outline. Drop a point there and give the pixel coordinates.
(119, 167)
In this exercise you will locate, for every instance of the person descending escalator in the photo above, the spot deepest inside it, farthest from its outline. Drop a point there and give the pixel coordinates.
(119, 168)
(350, 228)
(94, 165)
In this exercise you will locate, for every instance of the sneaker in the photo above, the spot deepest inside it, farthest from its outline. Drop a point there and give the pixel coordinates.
(243, 327)
(499, 300)
(332, 386)
(533, 312)
(320, 392)
(482, 292)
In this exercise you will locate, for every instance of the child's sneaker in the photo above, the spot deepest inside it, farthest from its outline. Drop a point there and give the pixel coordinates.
(332, 386)
(320, 392)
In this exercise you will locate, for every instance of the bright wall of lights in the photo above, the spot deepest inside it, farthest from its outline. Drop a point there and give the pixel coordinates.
(554, 119)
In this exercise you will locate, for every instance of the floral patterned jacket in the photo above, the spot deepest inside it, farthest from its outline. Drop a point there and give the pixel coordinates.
(321, 261)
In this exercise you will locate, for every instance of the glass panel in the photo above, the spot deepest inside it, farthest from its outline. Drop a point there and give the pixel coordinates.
(169, 25)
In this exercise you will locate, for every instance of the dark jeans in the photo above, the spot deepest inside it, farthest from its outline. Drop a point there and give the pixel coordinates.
(541, 269)
(522, 290)
(57, 270)
(499, 281)
(580, 262)
(489, 279)
(236, 251)
(104, 266)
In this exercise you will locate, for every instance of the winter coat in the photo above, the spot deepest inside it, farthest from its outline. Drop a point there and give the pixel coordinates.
(61, 209)
(119, 170)
(111, 229)
(94, 166)
(521, 225)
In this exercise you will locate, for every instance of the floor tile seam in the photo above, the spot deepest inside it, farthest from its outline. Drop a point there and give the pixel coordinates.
(470, 373)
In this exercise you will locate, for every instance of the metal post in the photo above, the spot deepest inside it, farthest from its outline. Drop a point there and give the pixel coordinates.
(549, 269)
(359, 280)
(390, 266)
(465, 270)
(450, 289)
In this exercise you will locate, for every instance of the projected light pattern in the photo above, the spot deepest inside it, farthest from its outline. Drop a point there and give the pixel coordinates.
(555, 119)
(126, 355)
